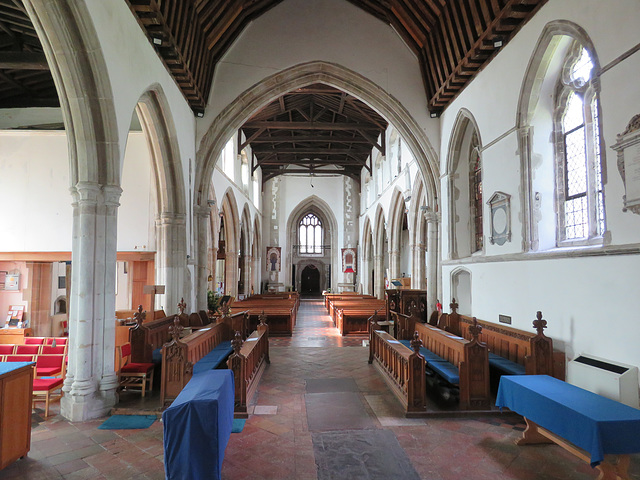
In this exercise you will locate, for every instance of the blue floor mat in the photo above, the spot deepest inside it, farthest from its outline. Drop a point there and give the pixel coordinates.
(127, 422)
(238, 425)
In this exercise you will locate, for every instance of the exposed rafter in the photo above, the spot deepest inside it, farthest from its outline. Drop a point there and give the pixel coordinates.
(314, 130)
(452, 39)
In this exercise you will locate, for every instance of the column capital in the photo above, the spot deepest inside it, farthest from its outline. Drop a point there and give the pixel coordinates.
(169, 218)
(202, 210)
(430, 215)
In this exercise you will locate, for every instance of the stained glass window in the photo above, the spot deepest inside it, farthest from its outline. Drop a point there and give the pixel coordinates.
(310, 234)
(476, 197)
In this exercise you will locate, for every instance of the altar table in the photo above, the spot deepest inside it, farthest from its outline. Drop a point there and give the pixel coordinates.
(593, 423)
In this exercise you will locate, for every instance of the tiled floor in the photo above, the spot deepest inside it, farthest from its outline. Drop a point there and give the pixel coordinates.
(276, 442)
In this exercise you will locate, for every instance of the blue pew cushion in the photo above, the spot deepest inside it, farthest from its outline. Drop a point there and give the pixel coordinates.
(442, 367)
(156, 356)
(214, 358)
(505, 365)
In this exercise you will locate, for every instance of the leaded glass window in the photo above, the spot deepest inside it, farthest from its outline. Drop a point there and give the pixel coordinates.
(476, 195)
(310, 231)
(582, 200)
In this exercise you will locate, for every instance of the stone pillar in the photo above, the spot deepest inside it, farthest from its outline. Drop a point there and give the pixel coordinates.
(201, 216)
(394, 264)
(171, 259)
(433, 219)
(418, 275)
(378, 277)
(231, 278)
(91, 381)
(248, 274)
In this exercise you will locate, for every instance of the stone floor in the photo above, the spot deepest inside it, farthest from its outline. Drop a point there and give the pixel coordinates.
(276, 442)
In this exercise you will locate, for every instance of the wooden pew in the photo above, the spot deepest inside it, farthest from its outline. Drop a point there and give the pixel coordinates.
(248, 363)
(405, 323)
(471, 358)
(401, 368)
(356, 302)
(355, 318)
(328, 297)
(180, 355)
(280, 313)
(402, 300)
(532, 351)
(145, 337)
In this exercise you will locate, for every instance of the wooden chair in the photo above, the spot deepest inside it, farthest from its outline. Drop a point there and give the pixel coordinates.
(50, 365)
(133, 374)
(50, 350)
(27, 349)
(6, 349)
(19, 358)
(45, 389)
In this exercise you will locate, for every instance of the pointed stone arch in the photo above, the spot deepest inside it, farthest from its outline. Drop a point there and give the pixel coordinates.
(397, 213)
(465, 126)
(171, 233)
(381, 251)
(532, 84)
(256, 253)
(461, 290)
(229, 212)
(418, 236)
(264, 92)
(244, 252)
(329, 262)
(367, 264)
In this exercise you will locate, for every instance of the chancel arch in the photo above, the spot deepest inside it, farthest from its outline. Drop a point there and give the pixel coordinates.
(312, 240)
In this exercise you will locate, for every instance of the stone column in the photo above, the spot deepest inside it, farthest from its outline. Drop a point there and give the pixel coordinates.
(171, 259)
(201, 216)
(394, 264)
(433, 219)
(248, 277)
(378, 277)
(418, 276)
(90, 384)
(231, 278)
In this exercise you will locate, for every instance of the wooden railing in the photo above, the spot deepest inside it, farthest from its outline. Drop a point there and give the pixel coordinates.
(402, 369)
(248, 363)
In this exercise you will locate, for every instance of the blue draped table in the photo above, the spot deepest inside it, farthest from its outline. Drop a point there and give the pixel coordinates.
(197, 426)
(591, 422)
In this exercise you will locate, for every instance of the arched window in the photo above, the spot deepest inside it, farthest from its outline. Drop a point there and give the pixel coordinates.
(310, 230)
(475, 182)
(577, 128)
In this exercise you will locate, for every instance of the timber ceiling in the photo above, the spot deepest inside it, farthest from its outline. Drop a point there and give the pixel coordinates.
(316, 130)
(453, 39)
(25, 79)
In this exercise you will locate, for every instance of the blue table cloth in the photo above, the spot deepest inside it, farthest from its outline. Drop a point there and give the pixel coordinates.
(592, 422)
(6, 367)
(197, 427)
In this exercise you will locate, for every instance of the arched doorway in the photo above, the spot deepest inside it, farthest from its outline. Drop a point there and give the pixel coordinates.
(310, 280)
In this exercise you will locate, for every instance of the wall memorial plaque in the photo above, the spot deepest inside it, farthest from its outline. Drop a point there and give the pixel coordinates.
(628, 148)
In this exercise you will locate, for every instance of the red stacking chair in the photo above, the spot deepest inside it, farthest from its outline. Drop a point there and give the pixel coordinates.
(19, 358)
(6, 349)
(58, 340)
(27, 350)
(134, 374)
(33, 340)
(45, 388)
(50, 350)
(49, 365)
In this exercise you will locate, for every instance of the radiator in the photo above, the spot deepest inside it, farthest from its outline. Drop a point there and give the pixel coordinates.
(613, 380)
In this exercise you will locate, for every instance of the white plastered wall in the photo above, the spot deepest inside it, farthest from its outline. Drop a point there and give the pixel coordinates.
(588, 300)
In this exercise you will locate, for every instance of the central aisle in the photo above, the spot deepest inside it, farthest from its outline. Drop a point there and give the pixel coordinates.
(322, 412)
